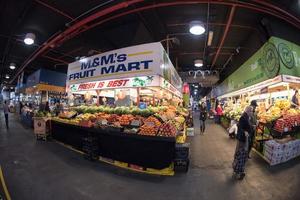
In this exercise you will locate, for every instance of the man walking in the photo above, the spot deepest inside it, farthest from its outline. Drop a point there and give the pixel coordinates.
(6, 109)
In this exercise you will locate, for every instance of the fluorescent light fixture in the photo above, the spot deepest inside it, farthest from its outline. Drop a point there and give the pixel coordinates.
(7, 76)
(29, 38)
(83, 60)
(210, 38)
(196, 86)
(198, 63)
(197, 28)
(12, 66)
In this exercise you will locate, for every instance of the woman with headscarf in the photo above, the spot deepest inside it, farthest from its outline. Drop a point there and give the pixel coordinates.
(241, 152)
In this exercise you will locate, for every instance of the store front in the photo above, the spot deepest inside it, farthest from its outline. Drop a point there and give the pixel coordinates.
(126, 110)
(271, 78)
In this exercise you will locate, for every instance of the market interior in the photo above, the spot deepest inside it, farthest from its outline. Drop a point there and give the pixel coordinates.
(177, 99)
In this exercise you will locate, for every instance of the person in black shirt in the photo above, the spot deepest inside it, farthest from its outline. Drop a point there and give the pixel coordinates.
(295, 99)
(47, 108)
(253, 123)
(203, 116)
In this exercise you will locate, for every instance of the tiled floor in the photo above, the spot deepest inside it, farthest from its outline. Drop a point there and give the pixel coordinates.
(45, 170)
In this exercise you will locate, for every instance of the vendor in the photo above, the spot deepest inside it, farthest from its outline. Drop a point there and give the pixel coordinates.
(295, 99)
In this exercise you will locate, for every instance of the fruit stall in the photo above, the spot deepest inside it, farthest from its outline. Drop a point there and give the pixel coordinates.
(131, 118)
(270, 77)
(278, 119)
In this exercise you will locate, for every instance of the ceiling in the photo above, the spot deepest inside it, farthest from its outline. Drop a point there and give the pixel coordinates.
(68, 29)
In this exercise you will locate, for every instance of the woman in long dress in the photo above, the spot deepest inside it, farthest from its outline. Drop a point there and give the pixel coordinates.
(241, 152)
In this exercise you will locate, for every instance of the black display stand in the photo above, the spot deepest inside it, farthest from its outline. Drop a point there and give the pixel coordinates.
(144, 151)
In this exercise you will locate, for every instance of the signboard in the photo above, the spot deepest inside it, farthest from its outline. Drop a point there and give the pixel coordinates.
(143, 81)
(291, 79)
(276, 57)
(141, 60)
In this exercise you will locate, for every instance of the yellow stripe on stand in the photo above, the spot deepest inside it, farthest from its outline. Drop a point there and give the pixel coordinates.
(140, 53)
(4, 185)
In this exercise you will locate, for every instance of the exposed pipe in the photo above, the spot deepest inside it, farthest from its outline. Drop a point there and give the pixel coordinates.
(55, 59)
(89, 11)
(265, 3)
(238, 4)
(70, 52)
(51, 43)
(75, 29)
(55, 9)
(232, 10)
(206, 38)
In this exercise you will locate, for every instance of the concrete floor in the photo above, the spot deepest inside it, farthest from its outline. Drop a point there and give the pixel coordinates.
(45, 170)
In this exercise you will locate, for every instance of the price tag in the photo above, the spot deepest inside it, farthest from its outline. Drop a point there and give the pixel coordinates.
(104, 122)
(150, 123)
(135, 123)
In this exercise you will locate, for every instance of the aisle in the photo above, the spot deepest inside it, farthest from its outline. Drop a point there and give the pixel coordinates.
(213, 149)
(45, 170)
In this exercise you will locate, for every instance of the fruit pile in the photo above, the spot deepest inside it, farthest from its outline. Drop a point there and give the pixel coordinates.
(113, 118)
(167, 130)
(148, 130)
(125, 120)
(282, 104)
(283, 125)
(152, 121)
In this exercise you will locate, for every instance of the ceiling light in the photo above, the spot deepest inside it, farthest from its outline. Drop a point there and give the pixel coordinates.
(12, 66)
(29, 38)
(198, 63)
(196, 86)
(197, 28)
(210, 38)
(7, 76)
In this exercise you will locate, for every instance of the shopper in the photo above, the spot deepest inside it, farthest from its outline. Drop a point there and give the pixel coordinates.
(241, 151)
(47, 108)
(253, 122)
(6, 110)
(219, 113)
(21, 106)
(203, 117)
(295, 99)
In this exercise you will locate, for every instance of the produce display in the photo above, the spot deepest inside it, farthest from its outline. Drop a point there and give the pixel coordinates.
(167, 130)
(163, 121)
(234, 110)
(280, 110)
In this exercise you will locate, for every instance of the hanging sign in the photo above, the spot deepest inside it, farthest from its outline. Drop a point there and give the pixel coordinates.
(141, 60)
(117, 83)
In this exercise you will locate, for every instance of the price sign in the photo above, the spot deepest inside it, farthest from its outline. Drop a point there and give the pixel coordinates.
(135, 123)
(150, 123)
(104, 122)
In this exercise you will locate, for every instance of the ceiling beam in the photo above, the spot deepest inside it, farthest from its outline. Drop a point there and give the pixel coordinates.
(81, 26)
(54, 9)
(71, 32)
(70, 52)
(56, 59)
(216, 24)
(229, 21)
